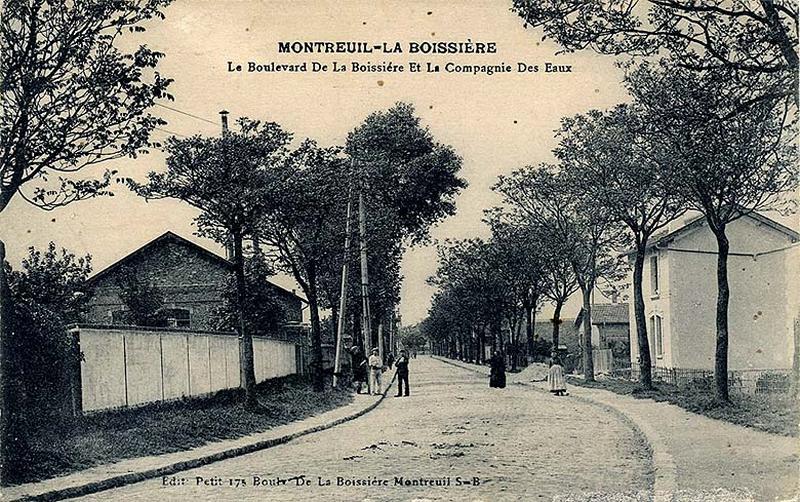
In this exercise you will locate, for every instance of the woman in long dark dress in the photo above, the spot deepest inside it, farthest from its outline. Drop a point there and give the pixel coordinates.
(497, 376)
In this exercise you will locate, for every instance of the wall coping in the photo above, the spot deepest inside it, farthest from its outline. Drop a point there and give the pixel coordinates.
(173, 330)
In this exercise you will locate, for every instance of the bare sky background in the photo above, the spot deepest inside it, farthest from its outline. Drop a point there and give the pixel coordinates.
(496, 123)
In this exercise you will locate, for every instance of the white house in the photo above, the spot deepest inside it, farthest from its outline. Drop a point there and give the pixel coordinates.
(680, 295)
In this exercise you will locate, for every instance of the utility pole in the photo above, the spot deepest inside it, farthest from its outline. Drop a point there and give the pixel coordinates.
(337, 365)
(380, 340)
(362, 230)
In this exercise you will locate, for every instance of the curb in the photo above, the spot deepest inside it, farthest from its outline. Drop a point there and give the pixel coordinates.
(664, 468)
(135, 477)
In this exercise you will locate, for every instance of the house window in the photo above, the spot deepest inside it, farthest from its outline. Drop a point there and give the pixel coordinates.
(655, 329)
(654, 289)
(177, 318)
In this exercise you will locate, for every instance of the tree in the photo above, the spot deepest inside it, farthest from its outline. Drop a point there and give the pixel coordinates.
(476, 294)
(71, 98)
(727, 161)
(230, 180)
(749, 37)
(408, 182)
(523, 265)
(593, 258)
(402, 169)
(142, 299)
(539, 196)
(583, 234)
(612, 163)
(412, 338)
(305, 226)
(265, 312)
(49, 293)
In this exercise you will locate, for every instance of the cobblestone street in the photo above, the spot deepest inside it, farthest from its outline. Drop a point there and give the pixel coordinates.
(508, 444)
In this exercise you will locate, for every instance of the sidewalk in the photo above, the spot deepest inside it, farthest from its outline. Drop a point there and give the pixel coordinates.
(699, 458)
(133, 470)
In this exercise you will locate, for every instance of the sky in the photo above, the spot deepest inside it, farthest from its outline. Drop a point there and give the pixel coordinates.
(495, 123)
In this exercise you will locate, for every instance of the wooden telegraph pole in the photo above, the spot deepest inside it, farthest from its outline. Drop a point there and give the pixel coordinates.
(337, 365)
(362, 231)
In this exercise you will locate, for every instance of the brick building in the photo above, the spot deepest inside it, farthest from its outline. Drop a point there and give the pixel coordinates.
(190, 278)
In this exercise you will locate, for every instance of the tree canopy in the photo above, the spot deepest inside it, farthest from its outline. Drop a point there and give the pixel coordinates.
(745, 36)
(71, 98)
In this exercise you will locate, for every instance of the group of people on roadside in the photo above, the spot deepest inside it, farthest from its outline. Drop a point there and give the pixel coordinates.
(370, 370)
(555, 376)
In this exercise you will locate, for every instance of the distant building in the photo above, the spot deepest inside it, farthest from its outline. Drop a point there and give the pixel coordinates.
(610, 324)
(680, 295)
(191, 280)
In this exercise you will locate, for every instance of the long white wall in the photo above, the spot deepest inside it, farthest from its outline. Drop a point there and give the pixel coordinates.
(129, 367)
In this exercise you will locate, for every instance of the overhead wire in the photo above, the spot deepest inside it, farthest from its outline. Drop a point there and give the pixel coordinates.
(177, 110)
(186, 113)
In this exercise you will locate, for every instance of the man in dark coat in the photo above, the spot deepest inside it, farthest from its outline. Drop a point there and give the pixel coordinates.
(402, 373)
(497, 375)
(359, 367)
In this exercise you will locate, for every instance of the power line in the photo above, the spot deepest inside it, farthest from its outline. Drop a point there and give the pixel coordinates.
(186, 113)
(170, 132)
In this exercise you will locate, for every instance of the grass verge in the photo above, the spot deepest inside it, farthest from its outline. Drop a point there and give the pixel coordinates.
(169, 427)
(776, 413)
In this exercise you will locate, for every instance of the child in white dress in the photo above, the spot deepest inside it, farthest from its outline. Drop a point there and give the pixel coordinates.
(558, 384)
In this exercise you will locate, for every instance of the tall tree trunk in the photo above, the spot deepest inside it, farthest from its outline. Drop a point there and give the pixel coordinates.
(723, 297)
(318, 370)
(248, 374)
(497, 334)
(481, 342)
(529, 328)
(557, 323)
(588, 361)
(645, 375)
(513, 342)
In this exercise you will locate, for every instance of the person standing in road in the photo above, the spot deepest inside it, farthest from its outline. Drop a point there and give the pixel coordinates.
(375, 371)
(402, 373)
(497, 375)
(558, 384)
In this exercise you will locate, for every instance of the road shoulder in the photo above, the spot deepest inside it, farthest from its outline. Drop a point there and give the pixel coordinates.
(130, 471)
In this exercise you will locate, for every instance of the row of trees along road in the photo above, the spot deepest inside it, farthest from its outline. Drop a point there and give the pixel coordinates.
(250, 184)
(703, 141)
(721, 112)
(73, 99)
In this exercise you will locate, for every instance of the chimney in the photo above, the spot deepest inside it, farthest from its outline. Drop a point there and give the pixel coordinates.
(224, 117)
(614, 297)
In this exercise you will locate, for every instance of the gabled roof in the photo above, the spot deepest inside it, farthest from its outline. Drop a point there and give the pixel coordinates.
(161, 239)
(170, 236)
(697, 222)
(606, 313)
